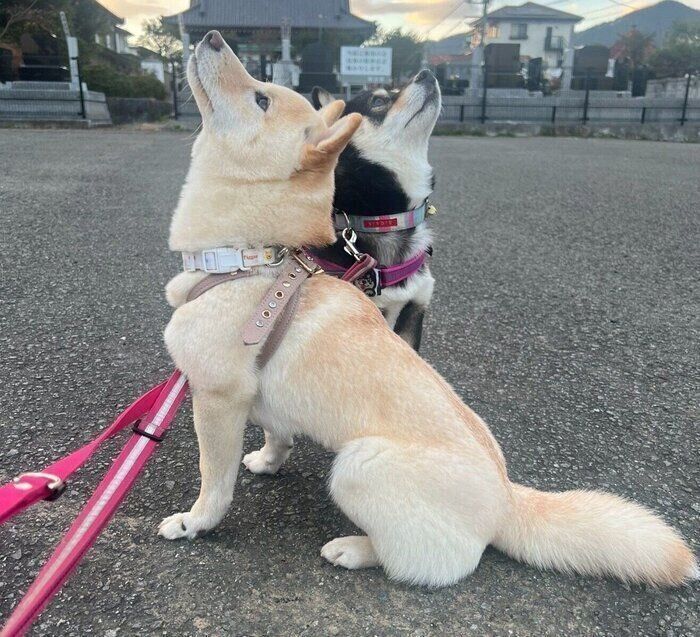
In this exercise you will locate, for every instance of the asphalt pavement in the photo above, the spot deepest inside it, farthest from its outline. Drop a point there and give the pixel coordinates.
(566, 313)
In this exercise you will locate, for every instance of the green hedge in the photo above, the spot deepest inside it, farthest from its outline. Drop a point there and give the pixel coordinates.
(114, 84)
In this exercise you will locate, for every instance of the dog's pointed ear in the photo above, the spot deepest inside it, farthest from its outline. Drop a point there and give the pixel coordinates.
(336, 138)
(332, 111)
(322, 152)
(320, 97)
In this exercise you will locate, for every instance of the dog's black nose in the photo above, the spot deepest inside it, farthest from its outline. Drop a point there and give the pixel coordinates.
(425, 76)
(214, 40)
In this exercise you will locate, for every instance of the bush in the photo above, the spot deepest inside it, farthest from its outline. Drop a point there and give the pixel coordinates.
(124, 110)
(114, 84)
(675, 61)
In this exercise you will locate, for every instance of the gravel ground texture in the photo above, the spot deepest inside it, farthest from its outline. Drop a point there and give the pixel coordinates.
(566, 313)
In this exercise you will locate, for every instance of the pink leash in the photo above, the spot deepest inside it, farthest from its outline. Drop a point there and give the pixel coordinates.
(151, 415)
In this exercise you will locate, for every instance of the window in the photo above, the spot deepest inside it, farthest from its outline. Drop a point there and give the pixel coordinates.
(518, 31)
(492, 31)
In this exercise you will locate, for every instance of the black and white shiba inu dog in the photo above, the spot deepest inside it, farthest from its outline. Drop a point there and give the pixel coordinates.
(383, 181)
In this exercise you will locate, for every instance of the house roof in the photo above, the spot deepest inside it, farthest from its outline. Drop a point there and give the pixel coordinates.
(104, 9)
(530, 11)
(263, 13)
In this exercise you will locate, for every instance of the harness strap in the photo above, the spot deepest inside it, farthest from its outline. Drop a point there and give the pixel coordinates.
(396, 273)
(278, 332)
(212, 280)
(388, 276)
(299, 267)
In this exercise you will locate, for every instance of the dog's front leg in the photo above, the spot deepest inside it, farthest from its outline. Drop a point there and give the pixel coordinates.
(219, 420)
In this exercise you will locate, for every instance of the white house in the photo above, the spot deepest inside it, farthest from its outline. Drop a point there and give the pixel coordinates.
(541, 31)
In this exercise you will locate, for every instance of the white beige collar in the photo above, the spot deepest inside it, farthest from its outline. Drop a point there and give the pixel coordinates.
(225, 260)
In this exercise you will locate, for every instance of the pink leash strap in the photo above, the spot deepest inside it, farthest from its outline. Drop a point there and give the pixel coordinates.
(163, 402)
(49, 483)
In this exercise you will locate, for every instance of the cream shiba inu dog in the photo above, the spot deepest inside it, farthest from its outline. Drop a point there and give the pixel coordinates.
(417, 470)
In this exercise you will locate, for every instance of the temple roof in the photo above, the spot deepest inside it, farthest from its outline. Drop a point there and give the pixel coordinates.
(328, 14)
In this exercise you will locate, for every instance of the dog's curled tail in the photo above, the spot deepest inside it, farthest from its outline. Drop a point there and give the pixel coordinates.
(595, 533)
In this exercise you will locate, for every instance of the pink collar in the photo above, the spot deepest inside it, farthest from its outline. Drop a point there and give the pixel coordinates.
(383, 223)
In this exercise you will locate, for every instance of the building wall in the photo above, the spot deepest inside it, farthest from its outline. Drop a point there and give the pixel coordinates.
(534, 45)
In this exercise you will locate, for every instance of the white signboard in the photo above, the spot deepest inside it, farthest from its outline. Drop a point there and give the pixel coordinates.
(371, 63)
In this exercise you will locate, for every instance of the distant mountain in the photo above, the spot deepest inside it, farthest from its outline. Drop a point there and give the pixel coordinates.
(656, 19)
(452, 45)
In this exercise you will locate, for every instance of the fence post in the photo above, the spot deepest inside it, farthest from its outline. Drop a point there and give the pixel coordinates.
(173, 88)
(83, 113)
(554, 113)
(483, 96)
(585, 99)
(461, 112)
(685, 99)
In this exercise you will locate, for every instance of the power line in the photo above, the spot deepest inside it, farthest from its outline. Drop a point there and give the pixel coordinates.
(447, 16)
(624, 4)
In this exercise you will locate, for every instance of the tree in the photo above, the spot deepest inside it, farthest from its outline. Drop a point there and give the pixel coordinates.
(684, 32)
(18, 16)
(681, 51)
(407, 52)
(635, 45)
(164, 39)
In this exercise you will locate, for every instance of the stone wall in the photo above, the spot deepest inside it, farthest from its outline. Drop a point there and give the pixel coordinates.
(27, 104)
(674, 87)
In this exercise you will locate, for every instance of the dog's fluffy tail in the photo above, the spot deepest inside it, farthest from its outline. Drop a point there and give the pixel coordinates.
(597, 533)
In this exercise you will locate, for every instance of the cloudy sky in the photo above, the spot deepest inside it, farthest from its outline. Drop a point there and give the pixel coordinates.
(432, 18)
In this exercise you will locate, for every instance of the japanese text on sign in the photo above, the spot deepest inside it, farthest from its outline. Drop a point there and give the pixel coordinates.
(356, 60)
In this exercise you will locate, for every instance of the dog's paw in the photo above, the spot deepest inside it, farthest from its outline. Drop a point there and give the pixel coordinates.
(351, 552)
(260, 462)
(181, 525)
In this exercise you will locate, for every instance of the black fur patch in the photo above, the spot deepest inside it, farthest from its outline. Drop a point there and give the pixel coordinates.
(371, 105)
(363, 187)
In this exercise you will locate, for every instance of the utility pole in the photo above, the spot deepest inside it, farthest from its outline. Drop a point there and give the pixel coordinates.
(484, 12)
(478, 67)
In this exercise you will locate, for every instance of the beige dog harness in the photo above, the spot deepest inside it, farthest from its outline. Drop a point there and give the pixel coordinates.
(274, 314)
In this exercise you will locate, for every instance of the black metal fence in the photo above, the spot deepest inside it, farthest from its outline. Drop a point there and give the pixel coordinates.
(571, 107)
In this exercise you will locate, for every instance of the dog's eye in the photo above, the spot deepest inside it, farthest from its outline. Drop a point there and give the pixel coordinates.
(263, 101)
(378, 101)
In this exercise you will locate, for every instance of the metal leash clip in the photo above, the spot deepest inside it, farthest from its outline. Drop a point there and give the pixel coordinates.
(350, 237)
(56, 485)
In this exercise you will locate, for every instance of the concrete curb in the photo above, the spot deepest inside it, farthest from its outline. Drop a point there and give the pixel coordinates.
(54, 123)
(689, 133)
